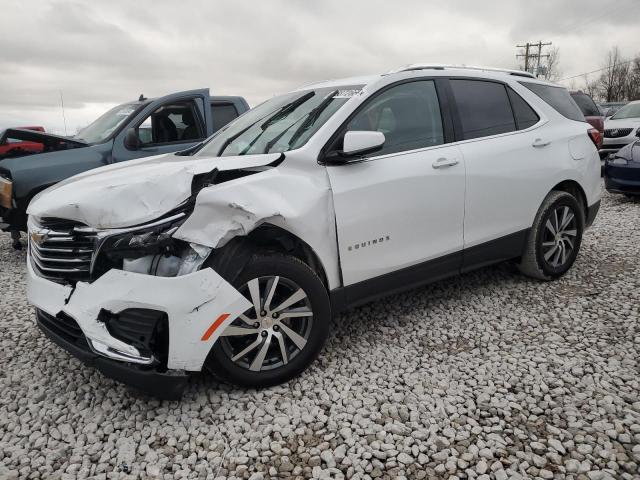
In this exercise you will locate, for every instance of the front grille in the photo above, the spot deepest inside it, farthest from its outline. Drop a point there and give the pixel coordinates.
(613, 146)
(63, 326)
(61, 250)
(617, 132)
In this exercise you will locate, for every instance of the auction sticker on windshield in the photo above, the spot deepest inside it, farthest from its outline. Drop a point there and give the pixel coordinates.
(348, 93)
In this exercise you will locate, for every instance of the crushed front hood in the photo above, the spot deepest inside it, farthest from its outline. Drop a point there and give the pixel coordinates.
(134, 192)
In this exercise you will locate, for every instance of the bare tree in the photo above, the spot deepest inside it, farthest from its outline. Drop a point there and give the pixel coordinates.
(633, 80)
(553, 72)
(591, 87)
(612, 83)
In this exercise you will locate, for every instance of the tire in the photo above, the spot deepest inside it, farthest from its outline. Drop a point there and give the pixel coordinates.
(540, 259)
(287, 355)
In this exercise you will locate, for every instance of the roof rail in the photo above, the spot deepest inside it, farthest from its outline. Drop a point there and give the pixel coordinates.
(442, 66)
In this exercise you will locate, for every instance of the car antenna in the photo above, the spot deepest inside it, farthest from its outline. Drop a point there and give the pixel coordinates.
(141, 98)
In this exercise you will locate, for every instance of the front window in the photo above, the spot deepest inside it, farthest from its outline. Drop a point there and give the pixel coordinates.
(101, 129)
(631, 110)
(170, 123)
(280, 124)
(408, 114)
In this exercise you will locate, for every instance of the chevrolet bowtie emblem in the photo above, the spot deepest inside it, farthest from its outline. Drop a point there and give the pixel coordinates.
(38, 237)
(614, 132)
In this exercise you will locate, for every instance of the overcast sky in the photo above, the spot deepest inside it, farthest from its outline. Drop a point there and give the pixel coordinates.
(101, 53)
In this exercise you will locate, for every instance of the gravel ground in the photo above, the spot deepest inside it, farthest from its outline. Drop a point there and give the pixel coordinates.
(490, 375)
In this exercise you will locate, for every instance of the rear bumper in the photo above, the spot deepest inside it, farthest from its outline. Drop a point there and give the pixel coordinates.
(167, 386)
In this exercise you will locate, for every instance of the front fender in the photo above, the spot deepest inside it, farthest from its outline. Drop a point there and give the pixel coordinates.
(301, 204)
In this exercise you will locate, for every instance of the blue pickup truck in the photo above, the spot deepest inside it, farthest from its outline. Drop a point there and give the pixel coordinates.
(132, 130)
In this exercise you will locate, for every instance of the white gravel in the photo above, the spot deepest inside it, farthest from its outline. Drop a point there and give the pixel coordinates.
(490, 375)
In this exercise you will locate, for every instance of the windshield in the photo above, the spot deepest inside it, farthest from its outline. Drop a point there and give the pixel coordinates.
(280, 124)
(631, 110)
(101, 128)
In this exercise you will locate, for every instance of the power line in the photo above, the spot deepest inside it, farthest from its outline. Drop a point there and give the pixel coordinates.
(595, 71)
(578, 25)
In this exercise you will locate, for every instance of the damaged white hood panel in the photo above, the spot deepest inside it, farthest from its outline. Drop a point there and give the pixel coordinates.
(133, 192)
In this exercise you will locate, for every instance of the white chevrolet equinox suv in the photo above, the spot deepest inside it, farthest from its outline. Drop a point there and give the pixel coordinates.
(234, 255)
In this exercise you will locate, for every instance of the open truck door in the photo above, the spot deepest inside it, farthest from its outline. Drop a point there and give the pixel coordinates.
(167, 124)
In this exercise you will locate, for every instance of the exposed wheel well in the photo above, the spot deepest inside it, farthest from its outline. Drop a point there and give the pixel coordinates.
(271, 237)
(574, 188)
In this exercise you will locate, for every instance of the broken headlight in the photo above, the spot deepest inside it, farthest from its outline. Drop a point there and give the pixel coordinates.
(618, 161)
(152, 251)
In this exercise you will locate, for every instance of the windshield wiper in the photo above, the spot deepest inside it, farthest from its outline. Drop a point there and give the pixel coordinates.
(272, 118)
(286, 109)
(280, 113)
(312, 117)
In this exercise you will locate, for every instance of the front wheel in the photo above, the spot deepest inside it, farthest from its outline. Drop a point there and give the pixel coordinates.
(555, 237)
(283, 331)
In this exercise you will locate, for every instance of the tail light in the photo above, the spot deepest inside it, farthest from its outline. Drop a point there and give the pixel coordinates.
(596, 137)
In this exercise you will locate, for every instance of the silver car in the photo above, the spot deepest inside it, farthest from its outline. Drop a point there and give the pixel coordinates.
(621, 129)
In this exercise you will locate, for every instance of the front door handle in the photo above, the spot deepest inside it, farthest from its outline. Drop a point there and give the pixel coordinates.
(538, 143)
(444, 162)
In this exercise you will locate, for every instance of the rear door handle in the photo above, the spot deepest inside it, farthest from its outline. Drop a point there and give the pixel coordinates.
(444, 162)
(539, 143)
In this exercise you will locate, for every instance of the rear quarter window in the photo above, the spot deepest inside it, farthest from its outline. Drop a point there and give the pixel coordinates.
(525, 115)
(558, 98)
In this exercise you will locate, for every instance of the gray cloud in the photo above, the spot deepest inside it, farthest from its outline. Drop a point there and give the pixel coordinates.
(102, 53)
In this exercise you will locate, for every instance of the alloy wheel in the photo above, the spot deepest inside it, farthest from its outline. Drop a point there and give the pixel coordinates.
(559, 236)
(274, 330)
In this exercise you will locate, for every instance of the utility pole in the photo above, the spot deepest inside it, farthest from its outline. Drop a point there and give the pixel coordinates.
(532, 59)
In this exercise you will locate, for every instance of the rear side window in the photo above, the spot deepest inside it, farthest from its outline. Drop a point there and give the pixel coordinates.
(525, 115)
(586, 105)
(483, 107)
(222, 113)
(558, 98)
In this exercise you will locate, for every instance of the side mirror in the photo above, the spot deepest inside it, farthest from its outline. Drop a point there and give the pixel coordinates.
(131, 140)
(359, 142)
(638, 133)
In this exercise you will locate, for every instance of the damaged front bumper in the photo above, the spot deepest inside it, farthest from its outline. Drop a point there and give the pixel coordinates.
(143, 330)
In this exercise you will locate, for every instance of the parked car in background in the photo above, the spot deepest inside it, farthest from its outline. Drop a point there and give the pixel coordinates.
(235, 258)
(591, 113)
(132, 130)
(11, 146)
(609, 108)
(622, 170)
(621, 129)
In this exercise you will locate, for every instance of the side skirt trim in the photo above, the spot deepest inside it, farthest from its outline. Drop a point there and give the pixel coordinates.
(495, 251)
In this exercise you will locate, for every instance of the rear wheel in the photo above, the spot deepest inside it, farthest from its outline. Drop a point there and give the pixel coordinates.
(555, 238)
(282, 332)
